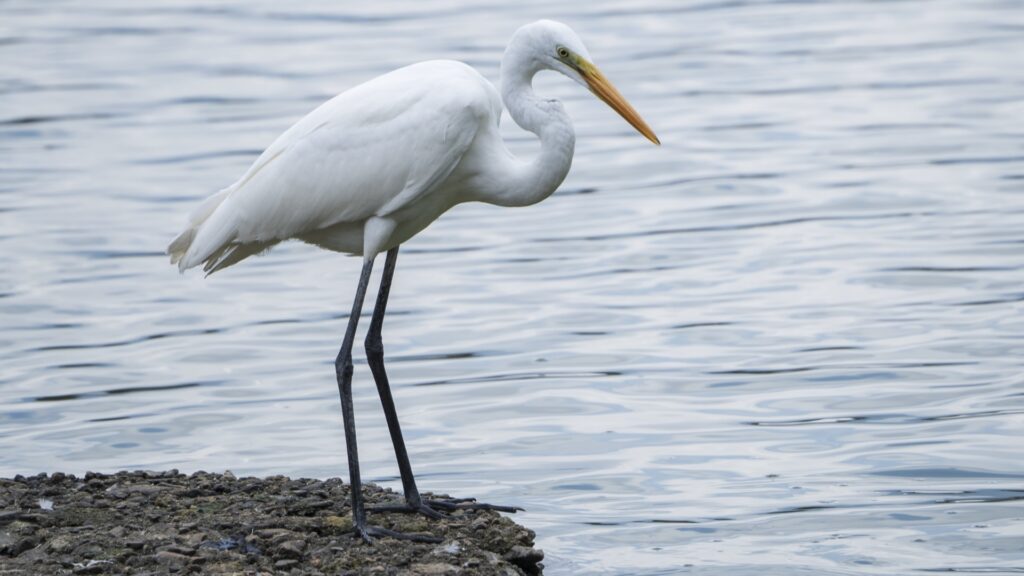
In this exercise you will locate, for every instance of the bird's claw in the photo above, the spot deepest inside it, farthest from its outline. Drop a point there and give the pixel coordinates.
(368, 533)
(432, 507)
(409, 509)
(453, 504)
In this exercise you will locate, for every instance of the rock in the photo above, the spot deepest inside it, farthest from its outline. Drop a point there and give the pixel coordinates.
(9, 516)
(273, 533)
(291, 549)
(526, 558)
(118, 492)
(91, 567)
(60, 544)
(339, 523)
(285, 564)
(193, 540)
(169, 558)
(22, 545)
(158, 523)
(183, 550)
(434, 569)
(450, 548)
(145, 489)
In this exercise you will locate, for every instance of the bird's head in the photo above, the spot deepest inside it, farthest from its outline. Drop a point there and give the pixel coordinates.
(557, 47)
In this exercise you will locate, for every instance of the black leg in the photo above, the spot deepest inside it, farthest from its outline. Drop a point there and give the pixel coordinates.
(343, 371)
(375, 358)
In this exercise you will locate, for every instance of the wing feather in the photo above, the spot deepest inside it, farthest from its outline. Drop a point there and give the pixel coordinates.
(370, 151)
(368, 147)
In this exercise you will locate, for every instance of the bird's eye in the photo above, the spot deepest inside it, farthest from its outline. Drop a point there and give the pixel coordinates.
(563, 52)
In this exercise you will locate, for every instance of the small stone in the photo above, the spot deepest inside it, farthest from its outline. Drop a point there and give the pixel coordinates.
(118, 492)
(434, 569)
(22, 545)
(525, 558)
(60, 544)
(193, 540)
(183, 550)
(10, 515)
(92, 567)
(273, 533)
(145, 489)
(169, 558)
(285, 564)
(22, 528)
(450, 548)
(291, 549)
(340, 523)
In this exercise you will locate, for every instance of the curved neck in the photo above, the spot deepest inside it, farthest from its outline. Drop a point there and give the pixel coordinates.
(529, 182)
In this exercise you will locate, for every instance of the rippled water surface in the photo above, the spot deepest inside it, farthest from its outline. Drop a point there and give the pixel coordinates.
(789, 341)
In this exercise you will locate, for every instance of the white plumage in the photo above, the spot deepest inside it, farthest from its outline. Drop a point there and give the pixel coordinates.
(369, 152)
(376, 164)
(373, 166)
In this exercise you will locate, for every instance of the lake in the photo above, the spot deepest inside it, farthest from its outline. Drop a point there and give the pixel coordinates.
(788, 341)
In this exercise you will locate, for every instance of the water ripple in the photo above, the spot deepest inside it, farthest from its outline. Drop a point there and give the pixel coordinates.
(788, 341)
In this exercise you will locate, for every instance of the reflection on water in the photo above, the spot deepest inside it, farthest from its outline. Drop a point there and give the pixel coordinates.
(786, 342)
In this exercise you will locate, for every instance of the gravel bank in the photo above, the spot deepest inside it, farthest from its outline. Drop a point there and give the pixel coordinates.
(165, 522)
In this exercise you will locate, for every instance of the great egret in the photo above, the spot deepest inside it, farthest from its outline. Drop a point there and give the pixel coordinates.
(375, 165)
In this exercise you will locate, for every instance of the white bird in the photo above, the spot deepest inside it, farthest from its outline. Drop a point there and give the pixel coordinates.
(375, 165)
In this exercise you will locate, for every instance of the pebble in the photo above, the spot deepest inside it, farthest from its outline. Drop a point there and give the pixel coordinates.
(434, 569)
(171, 558)
(291, 549)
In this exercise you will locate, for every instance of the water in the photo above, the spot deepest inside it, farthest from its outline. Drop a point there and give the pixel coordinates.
(789, 341)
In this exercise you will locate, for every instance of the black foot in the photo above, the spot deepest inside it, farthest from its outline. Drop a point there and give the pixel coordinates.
(408, 509)
(368, 533)
(452, 504)
(431, 506)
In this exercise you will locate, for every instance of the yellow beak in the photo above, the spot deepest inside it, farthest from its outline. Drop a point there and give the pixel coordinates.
(606, 91)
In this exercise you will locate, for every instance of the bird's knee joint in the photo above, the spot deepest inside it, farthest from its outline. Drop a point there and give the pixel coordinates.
(342, 365)
(374, 346)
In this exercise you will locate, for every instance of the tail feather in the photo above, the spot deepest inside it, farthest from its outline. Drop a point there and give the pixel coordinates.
(234, 253)
(211, 238)
(200, 242)
(179, 246)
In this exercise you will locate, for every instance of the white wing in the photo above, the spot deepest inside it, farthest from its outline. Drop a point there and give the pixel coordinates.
(369, 151)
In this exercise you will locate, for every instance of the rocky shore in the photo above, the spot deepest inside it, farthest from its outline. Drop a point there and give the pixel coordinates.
(149, 523)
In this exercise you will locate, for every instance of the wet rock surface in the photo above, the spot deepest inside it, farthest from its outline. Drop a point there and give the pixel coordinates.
(150, 523)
